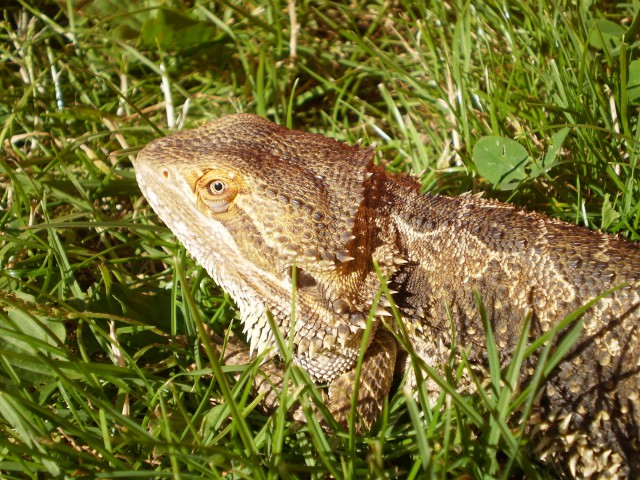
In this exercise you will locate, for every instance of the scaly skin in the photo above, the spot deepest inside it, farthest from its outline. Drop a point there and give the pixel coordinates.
(247, 198)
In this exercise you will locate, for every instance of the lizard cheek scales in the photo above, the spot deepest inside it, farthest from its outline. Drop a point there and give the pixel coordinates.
(250, 199)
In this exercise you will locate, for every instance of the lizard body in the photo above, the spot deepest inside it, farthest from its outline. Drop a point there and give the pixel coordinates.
(249, 199)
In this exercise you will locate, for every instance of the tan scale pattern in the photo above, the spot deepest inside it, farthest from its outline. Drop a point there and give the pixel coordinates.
(249, 199)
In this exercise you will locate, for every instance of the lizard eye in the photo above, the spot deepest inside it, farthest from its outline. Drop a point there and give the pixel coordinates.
(215, 192)
(217, 187)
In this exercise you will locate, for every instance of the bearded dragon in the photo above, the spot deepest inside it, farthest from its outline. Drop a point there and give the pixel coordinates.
(250, 200)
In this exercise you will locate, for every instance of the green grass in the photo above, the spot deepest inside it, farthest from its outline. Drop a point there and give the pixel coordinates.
(101, 311)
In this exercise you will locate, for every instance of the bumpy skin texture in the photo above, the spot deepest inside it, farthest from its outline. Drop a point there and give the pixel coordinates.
(249, 198)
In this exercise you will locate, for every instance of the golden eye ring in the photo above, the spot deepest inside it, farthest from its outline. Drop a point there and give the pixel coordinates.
(216, 191)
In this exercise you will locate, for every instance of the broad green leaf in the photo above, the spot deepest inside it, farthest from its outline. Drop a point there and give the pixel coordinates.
(609, 214)
(126, 16)
(501, 161)
(172, 30)
(633, 82)
(605, 34)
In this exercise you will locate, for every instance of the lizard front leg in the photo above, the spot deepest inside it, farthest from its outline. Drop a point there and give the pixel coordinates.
(376, 376)
(378, 365)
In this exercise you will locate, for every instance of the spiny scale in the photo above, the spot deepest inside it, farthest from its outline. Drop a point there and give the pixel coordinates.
(285, 196)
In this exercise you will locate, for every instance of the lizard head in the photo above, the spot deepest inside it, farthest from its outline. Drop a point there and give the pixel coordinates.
(249, 199)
